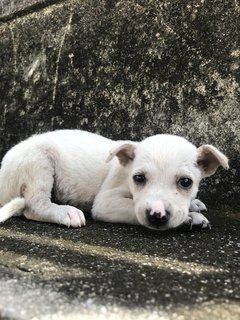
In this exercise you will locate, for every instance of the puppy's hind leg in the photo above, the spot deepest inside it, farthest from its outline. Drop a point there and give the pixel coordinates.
(37, 194)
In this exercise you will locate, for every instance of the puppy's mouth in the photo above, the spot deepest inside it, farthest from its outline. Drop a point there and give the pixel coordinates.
(159, 228)
(164, 222)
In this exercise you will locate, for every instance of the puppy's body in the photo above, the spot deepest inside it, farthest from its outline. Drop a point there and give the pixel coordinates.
(72, 164)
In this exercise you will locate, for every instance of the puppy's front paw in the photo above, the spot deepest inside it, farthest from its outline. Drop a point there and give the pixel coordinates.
(198, 221)
(195, 221)
(72, 217)
(197, 206)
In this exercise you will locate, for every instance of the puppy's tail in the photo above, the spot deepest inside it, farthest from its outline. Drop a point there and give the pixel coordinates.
(11, 208)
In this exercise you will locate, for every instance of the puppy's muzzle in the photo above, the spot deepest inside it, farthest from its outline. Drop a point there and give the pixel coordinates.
(157, 219)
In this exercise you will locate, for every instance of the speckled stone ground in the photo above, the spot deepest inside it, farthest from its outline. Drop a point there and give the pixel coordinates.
(106, 271)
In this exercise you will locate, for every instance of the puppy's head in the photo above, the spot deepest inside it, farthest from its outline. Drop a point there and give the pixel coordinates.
(164, 175)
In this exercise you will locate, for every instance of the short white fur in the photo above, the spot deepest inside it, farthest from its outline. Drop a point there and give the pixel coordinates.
(89, 172)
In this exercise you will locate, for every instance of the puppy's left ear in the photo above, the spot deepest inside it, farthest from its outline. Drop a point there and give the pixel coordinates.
(209, 159)
(124, 152)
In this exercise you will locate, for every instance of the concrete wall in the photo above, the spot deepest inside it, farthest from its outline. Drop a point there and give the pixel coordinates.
(126, 69)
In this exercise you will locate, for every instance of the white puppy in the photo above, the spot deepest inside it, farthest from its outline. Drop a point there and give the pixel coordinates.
(153, 182)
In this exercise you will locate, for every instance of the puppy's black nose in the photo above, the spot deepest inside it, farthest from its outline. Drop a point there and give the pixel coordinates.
(157, 219)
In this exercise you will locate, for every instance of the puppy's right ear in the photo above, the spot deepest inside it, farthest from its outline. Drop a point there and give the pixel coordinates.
(209, 159)
(124, 152)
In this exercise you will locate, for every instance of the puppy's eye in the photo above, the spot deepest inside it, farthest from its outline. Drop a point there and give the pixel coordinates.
(139, 179)
(185, 183)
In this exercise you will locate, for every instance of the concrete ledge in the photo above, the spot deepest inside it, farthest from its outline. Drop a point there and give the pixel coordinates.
(126, 69)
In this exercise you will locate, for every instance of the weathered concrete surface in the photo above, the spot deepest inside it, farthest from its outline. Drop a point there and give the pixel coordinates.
(106, 271)
(10, 9)
(127, 69)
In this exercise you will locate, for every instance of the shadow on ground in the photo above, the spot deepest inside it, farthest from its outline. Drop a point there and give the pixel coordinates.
(169, 274)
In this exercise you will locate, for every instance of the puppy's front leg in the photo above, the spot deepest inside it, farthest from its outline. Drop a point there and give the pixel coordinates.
(197, 206)
(114, 205)
(196, 220)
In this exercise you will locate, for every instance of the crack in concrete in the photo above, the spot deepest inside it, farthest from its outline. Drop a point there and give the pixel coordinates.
(55, 81)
